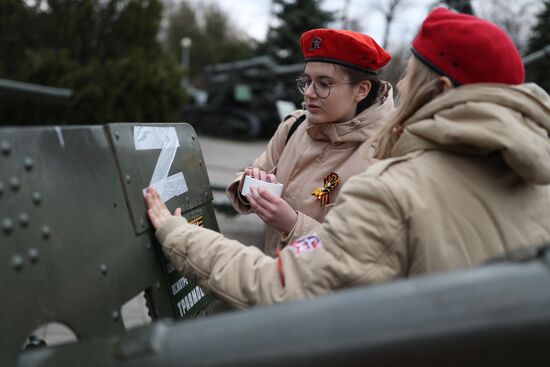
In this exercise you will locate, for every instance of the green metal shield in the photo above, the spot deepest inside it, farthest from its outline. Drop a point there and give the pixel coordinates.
(75, 242)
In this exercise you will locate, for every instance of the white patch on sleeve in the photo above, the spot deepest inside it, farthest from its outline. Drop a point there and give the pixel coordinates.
(305, 244)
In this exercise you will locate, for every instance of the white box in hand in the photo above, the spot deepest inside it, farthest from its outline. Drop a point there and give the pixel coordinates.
(274, 188)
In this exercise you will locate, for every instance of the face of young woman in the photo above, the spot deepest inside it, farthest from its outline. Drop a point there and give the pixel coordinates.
(341, 103)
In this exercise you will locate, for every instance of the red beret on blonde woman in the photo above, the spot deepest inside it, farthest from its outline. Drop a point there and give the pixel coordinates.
(468, 49)
(464, 176)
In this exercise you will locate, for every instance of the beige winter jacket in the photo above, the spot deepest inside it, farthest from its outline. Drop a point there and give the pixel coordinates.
(311, 154)
(470, 179)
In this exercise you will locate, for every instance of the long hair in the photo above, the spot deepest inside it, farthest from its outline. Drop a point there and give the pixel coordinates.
(423, 86)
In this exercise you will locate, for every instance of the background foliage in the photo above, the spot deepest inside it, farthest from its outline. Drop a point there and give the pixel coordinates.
(539, 72)
(294, 18)
(122, 57)
(106, 51)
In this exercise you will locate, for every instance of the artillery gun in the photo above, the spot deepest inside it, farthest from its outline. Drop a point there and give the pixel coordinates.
(76, 245)
(76, 241)
(246, 98)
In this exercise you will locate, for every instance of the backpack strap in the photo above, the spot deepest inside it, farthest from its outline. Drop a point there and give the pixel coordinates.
(294, 126)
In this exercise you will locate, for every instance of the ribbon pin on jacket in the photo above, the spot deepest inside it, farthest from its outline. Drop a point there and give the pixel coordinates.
(329, 183)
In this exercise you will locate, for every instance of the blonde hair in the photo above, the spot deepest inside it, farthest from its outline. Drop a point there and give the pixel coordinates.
(422, 87)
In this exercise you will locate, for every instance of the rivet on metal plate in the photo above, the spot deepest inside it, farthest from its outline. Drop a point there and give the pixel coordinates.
(7, 225)
(36, 198)
(46, 232)
(33, 255)
(6, 147)
(28, 163)
(15, 183)
(24, 219)
(17, 262)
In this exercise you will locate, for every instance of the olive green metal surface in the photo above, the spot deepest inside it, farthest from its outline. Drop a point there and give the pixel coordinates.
(494, 315)
(75, 241)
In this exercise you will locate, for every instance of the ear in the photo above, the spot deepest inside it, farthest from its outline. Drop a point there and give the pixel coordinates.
(363, 90)
(444, 85)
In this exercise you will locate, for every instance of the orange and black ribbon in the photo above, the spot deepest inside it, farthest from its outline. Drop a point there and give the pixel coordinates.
(197, 221)
(329, 183)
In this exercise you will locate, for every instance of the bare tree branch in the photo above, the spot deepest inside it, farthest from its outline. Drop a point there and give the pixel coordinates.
(389, 9)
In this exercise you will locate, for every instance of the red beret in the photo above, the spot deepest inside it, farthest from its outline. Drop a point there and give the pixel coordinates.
(468, 49)
(352, 49)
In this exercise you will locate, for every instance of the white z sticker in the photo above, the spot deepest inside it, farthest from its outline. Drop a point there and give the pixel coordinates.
(166, 139)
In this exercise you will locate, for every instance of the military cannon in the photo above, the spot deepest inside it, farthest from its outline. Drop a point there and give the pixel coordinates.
(76, 245)
(246, 98)
(76, 242)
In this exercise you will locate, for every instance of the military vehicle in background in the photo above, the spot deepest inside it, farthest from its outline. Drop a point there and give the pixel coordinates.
(246, 99)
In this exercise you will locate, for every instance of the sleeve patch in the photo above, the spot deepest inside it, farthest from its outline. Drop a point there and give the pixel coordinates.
(305, 244)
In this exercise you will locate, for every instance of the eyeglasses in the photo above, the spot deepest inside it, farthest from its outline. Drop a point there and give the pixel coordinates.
(321, 87)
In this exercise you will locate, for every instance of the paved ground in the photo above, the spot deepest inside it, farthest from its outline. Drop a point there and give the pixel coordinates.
(223, 159)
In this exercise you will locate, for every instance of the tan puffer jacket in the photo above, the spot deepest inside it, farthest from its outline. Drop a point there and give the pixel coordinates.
(311, 154)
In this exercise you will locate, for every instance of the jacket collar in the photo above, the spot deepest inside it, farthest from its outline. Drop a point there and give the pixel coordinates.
(358, 129)
(482, 119)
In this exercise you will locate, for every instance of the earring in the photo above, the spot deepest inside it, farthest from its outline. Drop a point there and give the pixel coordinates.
(304, 105)
(397, 130)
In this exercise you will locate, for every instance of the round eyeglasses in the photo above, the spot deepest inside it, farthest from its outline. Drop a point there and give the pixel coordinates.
(321, 87)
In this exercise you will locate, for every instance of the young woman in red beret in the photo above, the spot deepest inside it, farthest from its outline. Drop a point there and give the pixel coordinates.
(465, 176)
(344, 103)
